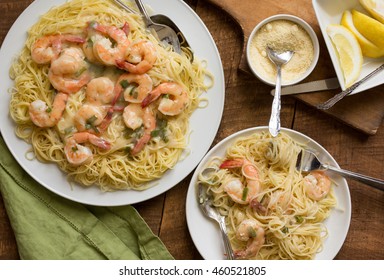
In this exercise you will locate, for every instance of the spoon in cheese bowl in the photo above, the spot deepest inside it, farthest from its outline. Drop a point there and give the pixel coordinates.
(279, 59)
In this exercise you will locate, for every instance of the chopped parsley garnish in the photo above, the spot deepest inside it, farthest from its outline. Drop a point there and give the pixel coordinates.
(284, 230)
(245, 193)
(137, 133)
(251, 232)
(90, 42)
(161, 129)
(299, 219)
(124, 84)
(132, 91)
(90, 124)
(81, 71)
(68, 130)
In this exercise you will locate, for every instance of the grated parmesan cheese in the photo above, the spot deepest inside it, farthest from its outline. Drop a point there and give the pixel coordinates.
(281, 35)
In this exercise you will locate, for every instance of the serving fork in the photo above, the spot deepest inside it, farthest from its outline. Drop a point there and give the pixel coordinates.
(163, 32)
(333, 100)
(307, 161)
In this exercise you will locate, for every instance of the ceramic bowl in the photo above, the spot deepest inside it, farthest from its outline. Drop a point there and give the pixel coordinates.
(252, 62)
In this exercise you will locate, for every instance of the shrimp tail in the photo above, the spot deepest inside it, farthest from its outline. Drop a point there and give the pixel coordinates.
(232, 163)
(94, 25)
(126, 28)
(122, 64)
(82, 137)
(257, 206)
(239, 254)
(140, 144)
(74, 39)
(106, 121)
(100, 142)
(149, 99)
(108, 117)
(253, 247)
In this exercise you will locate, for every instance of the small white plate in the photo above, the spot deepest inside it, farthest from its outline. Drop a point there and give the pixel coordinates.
(330, 12)
(205, 233)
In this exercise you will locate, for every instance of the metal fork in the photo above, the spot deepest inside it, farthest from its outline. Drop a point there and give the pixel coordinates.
(307, 161)
(162, 32)
(332, 101)
(205, 203)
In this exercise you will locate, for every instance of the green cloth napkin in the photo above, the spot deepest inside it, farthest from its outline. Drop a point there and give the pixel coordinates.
(49, 227)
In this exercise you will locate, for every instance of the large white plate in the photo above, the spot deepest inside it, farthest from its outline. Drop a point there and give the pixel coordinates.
(204, 123)
(205, 233)
(330, 11)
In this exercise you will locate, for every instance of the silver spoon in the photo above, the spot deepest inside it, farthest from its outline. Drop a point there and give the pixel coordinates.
(163, 19)
(205, 203)
(279, 59)
(307, 161)
(162, 32)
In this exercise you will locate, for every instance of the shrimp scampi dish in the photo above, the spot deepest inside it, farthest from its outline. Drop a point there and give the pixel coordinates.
(98, 95)
(272, 210)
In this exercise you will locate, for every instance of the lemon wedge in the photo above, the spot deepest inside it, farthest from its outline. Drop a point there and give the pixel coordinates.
(370, 28)
(367, 47)
(348, 52)
(375, 8)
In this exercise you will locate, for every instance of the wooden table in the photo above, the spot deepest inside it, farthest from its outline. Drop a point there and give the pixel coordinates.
(353, 150)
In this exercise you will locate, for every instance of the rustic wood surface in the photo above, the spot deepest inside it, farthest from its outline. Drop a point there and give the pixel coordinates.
(352, 149)
(362, 111)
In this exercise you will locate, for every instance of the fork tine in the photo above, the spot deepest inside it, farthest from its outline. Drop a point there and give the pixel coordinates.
(298, 161)
(308, 161)
(201, 194)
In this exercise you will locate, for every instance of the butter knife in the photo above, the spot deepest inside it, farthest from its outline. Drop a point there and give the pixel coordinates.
(332, 101)
(325, 84)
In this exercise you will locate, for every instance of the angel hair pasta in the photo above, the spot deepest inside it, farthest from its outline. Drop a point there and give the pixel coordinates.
(98, 95)
(272, 211)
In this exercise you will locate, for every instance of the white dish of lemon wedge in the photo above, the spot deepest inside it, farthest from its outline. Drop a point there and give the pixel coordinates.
(363, 52)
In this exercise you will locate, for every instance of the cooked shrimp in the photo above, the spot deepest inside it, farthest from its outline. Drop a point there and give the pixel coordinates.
(68, 84)
(88, 117)
(134, 117)
(70, 62)
(91, 37)
(88, 50)
(249, 230)
(140, 58)
(49, 47)
(77, 154)
(68, 73)
(43, 116)
(116, 96)
(174, 101)
(317, 185)
(234, 188)
(135, 87)
(100, 91)
(110, 45)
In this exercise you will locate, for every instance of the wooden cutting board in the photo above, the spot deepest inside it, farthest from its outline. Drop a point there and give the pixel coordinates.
(363, 111)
